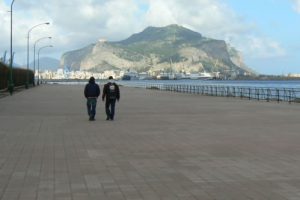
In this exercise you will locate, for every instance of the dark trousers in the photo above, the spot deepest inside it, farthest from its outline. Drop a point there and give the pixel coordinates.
(110, 108)
(91, 107)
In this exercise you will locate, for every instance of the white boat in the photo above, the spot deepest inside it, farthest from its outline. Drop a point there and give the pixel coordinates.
(130, 76)
(144, 76)
(166, 76)
(194, 76)
(203, 76)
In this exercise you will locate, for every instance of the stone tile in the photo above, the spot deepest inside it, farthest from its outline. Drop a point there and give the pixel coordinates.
(161, 146)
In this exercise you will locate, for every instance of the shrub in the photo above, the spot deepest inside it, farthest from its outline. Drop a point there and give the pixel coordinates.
(19, 76)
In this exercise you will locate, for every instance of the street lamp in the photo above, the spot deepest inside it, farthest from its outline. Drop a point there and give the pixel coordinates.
(11, 84)
(28, 34)
(34, 55)
(38, 82)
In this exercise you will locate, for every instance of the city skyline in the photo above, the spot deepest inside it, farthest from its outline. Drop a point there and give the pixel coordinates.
(264, 32)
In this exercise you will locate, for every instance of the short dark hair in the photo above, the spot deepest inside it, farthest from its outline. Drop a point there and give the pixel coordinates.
(110, 77)
(92, 79)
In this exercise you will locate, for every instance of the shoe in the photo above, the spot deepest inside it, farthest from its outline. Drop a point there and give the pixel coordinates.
(107, 118)
(92, 118)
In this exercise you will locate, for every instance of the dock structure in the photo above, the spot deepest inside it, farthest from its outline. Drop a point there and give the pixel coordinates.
(161, 146)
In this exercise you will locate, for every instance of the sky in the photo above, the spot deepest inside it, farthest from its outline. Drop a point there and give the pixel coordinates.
(265, 32)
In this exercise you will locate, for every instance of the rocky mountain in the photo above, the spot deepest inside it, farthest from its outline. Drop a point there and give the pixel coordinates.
(171, 48)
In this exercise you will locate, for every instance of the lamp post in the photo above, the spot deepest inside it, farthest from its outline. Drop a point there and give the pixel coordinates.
(34, 56)
(38, 82)
(11, 84)
(28, 35)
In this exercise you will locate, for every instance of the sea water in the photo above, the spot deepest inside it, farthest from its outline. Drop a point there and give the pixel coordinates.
(287, 84)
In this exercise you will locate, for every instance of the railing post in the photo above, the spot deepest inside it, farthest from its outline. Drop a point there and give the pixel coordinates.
(249, 97)
(241, 94)
(227, 91)
(234, 94)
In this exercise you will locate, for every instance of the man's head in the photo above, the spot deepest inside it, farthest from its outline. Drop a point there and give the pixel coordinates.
(92, 80)
(110, 78)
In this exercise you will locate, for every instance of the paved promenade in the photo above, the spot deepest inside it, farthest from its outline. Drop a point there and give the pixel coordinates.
(161, 146)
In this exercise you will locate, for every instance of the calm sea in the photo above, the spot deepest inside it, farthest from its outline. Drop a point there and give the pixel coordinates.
(274, 86)
(247, 83)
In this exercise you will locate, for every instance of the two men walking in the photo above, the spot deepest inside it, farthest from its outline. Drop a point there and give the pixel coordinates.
(111, 94)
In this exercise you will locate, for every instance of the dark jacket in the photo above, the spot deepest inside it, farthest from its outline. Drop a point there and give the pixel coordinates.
(92, 89)
(107, 91)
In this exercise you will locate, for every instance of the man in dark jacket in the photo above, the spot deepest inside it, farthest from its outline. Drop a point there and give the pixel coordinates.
(111, 93)
(91, 93)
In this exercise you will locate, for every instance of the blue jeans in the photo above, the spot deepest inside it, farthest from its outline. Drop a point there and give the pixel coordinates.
(91, 107)
(110, 108)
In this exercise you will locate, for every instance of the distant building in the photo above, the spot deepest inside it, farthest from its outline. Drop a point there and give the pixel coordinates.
(294, 75)
(102, 40)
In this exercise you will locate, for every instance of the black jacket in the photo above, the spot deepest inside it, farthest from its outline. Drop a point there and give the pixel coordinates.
(106, 91)
(91, 89)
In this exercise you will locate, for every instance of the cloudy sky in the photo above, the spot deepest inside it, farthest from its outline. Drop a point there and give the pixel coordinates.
(266, 32)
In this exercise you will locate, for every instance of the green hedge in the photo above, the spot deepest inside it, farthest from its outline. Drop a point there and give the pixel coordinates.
(19, 76)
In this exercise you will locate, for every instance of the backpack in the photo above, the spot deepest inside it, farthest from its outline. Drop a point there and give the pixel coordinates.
(112, 93)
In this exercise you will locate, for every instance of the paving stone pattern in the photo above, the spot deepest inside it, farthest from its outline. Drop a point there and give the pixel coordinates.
(161, 146)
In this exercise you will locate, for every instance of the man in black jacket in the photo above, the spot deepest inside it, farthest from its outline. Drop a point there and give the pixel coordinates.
(91, 93)
(111, 93)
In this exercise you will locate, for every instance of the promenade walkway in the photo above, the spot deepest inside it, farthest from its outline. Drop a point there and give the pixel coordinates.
(161, 146)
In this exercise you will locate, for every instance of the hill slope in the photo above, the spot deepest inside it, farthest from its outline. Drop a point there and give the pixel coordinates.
(170, 48)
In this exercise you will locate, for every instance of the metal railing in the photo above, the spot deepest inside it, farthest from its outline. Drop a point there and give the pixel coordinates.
(290, 95)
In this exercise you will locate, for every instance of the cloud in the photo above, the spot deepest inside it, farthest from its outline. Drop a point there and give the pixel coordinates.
(261, 47)
(296, 5)
(214, 19)
(77, 23)
(207, 16)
